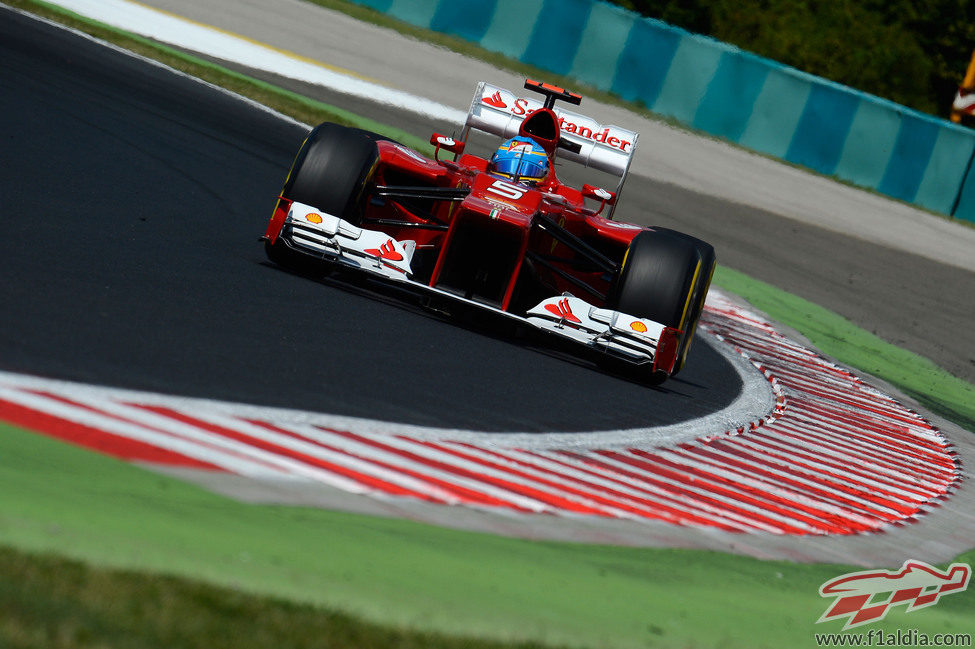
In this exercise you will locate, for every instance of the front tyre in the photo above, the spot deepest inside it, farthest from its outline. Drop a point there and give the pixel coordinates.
(665, 278)
(708, 264)
(331, 172)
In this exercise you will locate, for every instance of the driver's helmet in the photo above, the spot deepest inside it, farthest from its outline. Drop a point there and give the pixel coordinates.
(520, 158)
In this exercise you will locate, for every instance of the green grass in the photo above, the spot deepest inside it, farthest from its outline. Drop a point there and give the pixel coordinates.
(403, 575)
(49, 602)
(166, 564)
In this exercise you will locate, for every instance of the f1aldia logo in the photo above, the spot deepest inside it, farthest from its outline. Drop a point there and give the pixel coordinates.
(865, 597)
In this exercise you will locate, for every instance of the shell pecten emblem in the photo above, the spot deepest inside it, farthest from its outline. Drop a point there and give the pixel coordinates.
(313, 217)
(638, 326)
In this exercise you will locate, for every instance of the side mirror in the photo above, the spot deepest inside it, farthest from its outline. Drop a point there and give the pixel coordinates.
(599, 194)
(444, 142)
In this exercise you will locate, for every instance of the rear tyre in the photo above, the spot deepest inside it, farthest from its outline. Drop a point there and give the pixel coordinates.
(665, 278)
(330, 172)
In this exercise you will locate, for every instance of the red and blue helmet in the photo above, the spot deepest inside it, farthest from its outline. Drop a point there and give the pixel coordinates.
(522, 159)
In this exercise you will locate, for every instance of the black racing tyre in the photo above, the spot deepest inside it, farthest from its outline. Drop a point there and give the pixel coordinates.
(664, 278)
(708, 264)
(331, 170)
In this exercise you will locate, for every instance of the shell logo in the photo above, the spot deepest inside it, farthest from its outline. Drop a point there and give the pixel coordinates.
(313, 217)
(638, 326)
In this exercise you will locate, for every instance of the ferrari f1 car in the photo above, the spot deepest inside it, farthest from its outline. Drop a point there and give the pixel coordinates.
(503, 233)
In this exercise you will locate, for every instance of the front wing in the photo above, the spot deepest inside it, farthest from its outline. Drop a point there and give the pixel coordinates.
(636, 340)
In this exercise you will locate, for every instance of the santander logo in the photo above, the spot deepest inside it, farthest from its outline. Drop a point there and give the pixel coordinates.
(576, 124)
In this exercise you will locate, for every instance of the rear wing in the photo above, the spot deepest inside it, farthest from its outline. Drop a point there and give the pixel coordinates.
(604, 147)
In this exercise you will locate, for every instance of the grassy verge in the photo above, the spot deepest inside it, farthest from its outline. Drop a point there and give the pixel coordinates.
(414, 579)
(48, 602)
(52, 602)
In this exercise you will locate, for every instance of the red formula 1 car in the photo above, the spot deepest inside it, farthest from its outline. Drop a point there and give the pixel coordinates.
(502, 233)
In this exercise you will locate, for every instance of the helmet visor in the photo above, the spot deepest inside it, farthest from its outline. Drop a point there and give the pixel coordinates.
(527, 167)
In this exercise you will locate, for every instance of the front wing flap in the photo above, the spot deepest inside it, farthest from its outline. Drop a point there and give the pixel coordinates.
(636, 340)
(319, 233)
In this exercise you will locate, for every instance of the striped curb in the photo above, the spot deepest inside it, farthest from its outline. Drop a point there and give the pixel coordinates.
(834, 455)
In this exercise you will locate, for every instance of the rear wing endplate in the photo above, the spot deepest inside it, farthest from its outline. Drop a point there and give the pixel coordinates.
(604, 147)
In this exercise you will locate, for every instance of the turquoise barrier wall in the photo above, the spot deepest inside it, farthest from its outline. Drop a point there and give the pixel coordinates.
(722, 90)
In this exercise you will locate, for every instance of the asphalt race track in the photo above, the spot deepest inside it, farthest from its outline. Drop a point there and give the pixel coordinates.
(134, 199)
